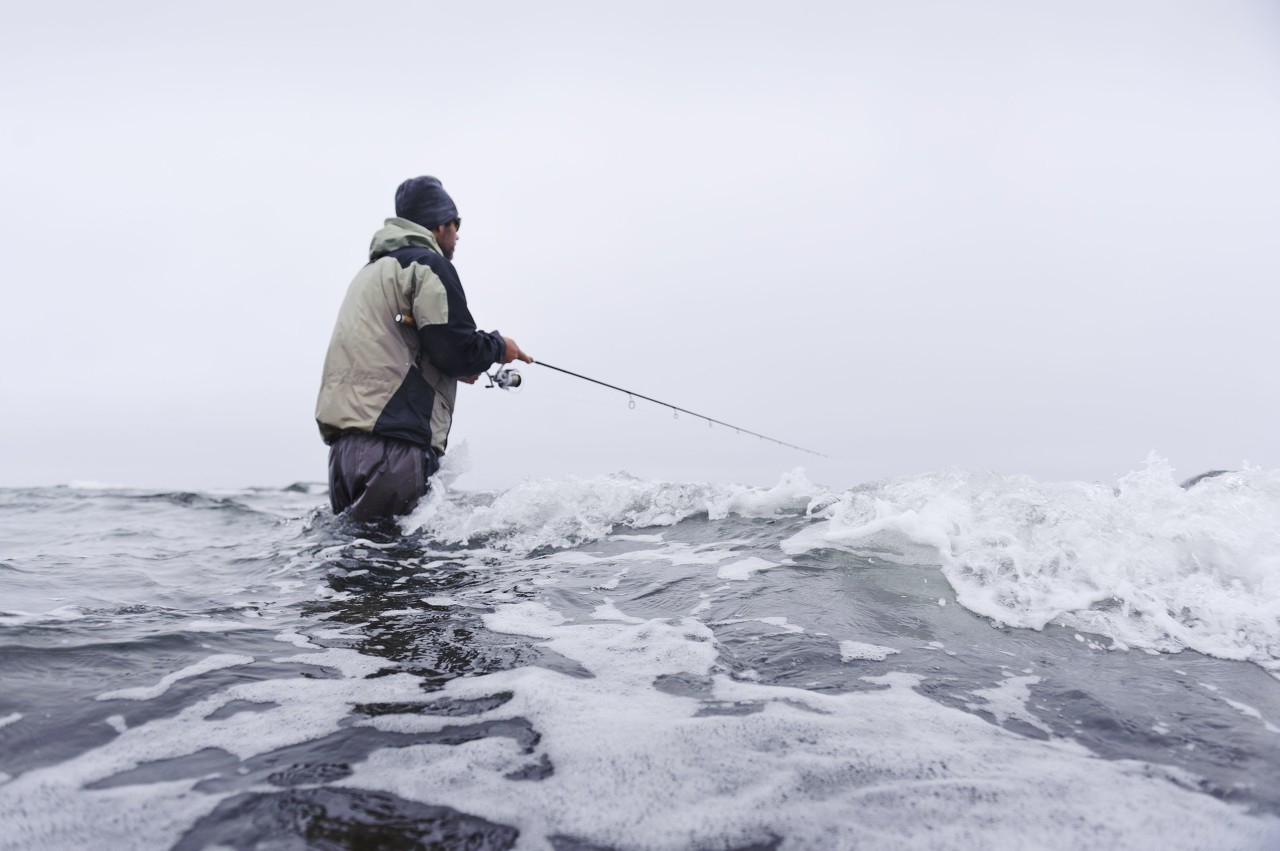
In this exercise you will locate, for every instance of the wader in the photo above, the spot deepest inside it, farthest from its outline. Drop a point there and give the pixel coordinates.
(377, 477)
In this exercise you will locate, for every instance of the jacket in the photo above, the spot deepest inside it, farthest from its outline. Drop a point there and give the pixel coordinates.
(390, 379)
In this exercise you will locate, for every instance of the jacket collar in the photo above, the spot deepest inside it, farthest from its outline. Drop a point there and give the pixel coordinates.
(397, 233)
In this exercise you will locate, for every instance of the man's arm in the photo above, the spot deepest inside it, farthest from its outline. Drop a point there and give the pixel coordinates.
(456, 347)
(458, 350)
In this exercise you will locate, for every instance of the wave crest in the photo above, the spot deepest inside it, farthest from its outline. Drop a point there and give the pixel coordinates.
(571, 511)
(1147, 563)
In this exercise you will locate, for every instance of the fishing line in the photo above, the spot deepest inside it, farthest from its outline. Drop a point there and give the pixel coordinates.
(508, 379)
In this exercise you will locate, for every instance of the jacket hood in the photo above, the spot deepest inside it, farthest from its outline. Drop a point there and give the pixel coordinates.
(399, 233)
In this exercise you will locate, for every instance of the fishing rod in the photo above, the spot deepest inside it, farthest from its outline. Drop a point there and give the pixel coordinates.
(509, 379)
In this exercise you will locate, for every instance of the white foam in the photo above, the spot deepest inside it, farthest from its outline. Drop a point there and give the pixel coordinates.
(531, 619)
(322, 591)
(775, 621)
(638, 767)
(1250, 712)
(607, 611)
(204, 666)
(577, 557)
(349, 663)
(742, 570)
(569, 511)
(116, 722)
(346, 631)
(793, 493)
(60, 811)
(1147, 564)
(297, 639)
(1010, 699)
(681, 555)
(12, 718)
(855, 650)
(453, 465)
(612, 582)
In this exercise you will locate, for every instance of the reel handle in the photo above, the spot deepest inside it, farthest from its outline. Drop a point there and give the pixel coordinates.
(505, 379)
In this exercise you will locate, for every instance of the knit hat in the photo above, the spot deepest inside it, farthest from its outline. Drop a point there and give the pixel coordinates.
(422, 200)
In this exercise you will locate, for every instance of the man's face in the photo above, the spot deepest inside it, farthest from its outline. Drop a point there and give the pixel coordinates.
(447, 236)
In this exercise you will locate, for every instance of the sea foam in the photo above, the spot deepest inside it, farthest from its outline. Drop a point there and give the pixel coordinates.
(570, 511)
(1145, 563)
(637, 767)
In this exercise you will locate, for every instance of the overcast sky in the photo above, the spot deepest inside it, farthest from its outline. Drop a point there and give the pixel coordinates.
(1036, 238)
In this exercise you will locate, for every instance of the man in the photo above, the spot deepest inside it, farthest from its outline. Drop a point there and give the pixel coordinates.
(389, 385)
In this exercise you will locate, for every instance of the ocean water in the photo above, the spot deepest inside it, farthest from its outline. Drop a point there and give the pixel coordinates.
(960, 660)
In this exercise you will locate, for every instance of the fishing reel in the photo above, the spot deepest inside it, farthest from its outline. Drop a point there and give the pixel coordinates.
(506, 379)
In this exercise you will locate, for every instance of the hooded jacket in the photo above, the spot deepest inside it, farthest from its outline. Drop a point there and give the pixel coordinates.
(384, 377)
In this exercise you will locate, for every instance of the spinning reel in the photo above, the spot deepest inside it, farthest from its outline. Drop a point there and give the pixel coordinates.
(506, 379)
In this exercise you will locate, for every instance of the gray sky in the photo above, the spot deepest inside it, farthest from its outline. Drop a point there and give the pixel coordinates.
(1033, 238)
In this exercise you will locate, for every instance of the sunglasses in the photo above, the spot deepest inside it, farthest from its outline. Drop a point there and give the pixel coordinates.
(457, 223)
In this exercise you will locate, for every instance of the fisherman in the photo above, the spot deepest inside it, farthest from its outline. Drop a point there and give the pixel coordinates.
(403, 340)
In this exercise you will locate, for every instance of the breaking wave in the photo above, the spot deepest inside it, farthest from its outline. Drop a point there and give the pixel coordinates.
(1146, 563)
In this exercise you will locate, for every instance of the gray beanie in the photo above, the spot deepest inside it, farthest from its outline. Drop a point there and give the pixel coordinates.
(422, 200)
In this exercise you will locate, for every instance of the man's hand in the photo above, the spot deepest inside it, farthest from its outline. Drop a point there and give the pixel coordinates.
(513, 352)
(468, 379)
